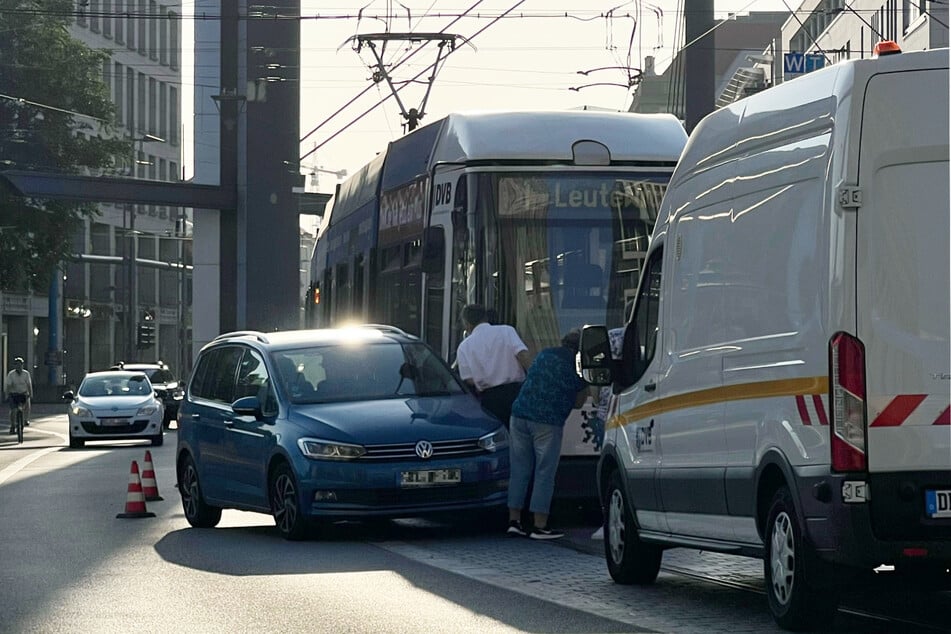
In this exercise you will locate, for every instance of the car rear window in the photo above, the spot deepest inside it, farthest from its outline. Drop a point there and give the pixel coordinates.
(136, 384)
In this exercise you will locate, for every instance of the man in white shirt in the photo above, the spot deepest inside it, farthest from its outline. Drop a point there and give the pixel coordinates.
(492, 360)
(18, 384)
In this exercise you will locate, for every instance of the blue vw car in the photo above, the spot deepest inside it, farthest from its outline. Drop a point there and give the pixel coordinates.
(313, 426)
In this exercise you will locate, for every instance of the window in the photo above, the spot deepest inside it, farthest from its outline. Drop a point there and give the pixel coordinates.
(130, 99)
(107, 75)
(107, 18)
(215, 375)
(153, 30)
(173, 123)
(140, 103)
(142, 20)
(174, 24)
(163, 110)
(130, 23)
(640, 336)
(253, 380)
(119, 92)
(163, 36)
(120, 22)
(153, 105)
(94, 14)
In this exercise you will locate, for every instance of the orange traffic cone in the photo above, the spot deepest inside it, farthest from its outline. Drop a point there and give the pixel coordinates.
(135, 500)
(149, 485)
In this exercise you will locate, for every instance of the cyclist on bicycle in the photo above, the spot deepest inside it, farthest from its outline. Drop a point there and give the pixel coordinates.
(18, 387)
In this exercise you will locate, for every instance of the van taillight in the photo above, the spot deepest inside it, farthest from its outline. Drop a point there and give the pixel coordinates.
(849, 422)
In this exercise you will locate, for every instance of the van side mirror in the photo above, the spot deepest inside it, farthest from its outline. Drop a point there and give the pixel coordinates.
(595, 353)
(434, 250)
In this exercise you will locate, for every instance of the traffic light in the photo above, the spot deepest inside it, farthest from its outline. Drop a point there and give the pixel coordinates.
(146, 334)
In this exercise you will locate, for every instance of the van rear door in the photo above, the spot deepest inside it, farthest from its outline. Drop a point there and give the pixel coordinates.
(902, 296)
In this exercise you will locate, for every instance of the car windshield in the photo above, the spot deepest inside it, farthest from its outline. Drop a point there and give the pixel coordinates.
(363, 372)
(159, 375)
(115, 385)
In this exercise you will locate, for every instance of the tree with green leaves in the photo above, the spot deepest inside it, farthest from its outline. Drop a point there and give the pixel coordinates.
(55, 115)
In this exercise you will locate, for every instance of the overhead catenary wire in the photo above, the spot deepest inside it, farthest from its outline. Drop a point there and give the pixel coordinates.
(420, 74)
(370, 87)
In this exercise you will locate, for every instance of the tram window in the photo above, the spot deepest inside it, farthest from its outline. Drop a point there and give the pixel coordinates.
(392, 258)
(413, 253)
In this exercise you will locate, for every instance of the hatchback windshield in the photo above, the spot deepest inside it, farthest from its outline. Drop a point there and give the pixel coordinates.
(115, 385)
(363, 372)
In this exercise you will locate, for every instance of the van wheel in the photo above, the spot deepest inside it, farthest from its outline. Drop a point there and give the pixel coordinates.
(197, 512)
(285, 505)
(630, 560)
(796, 603)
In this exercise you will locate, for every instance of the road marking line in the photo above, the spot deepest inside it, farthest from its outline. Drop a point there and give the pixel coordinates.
(20, 464)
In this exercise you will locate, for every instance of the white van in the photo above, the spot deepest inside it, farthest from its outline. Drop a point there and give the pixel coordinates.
(786, 376)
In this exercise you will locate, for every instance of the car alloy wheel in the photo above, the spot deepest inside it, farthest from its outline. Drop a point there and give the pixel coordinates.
(198, 514)
(285, 505)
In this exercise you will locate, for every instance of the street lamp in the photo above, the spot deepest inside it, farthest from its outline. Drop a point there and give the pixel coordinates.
(314, 170)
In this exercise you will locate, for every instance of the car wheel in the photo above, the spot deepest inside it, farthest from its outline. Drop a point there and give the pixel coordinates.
(76, 443)
(630, 560)
(157, 441)
(197, 512)
(285, 504)
(796, 603)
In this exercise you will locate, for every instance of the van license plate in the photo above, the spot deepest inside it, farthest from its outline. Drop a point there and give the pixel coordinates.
(938, 503)
(433, 477)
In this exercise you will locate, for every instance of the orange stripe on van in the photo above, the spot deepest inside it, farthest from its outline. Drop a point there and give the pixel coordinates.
(898, 411)
(727, 393)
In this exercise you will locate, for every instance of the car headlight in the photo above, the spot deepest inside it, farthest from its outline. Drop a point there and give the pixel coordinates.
(328, 450)
(499, 439)
(81, 412)
(148, 410)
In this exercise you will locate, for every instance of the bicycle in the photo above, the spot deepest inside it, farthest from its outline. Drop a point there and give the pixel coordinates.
(17, 401)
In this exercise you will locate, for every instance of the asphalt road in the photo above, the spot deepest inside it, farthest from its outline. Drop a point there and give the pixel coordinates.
(73, 566)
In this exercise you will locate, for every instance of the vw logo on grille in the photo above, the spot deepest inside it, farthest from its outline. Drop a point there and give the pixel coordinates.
(424, 449)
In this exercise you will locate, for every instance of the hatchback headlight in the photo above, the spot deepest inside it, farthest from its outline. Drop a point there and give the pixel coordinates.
(148, 410)
(499, 439)
(329, 450)
(81, 412)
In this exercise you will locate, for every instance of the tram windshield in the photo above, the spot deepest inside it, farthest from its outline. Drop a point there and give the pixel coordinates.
(565, 249)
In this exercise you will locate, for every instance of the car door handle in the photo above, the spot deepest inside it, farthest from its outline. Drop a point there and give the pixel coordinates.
(196, 416)
(650, 387)
(228, 422)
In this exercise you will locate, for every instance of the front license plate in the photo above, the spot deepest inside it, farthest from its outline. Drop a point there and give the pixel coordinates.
(938, 503)
(433, 477)
(113, 422)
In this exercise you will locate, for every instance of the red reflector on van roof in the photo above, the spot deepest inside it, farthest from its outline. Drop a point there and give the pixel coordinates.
(886, 47)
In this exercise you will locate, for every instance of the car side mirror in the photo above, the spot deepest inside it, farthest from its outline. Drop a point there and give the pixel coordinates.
(595, 353)
(68, 395)
(247, 406)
